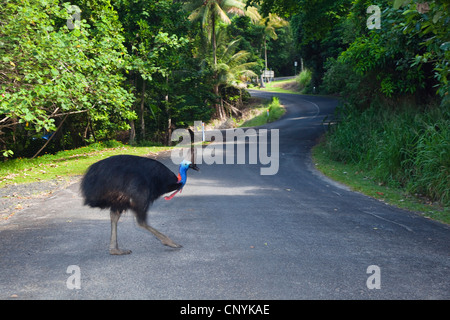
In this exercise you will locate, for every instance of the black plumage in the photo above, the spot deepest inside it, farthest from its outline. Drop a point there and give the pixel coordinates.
(127, 182)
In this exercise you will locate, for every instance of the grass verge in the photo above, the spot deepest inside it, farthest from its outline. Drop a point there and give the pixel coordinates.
(282, 86)
(268, 111)
(357, 180)
(65, 163)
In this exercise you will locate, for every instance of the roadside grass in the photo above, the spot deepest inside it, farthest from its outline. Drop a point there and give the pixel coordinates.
(65, 164)
(301, 84)
(268, 111)
(360, 181)
(279, 86)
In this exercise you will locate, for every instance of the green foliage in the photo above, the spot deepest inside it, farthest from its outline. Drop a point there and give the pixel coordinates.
(270, 111)
(121, 61)
(317, 29)
(360, 181)
(304, 79)
(430, 24)
(48, 71)
(250, 37)
(64, 164)
(431, 164)
(407, 57)
(388, 79)
(275, 39)
(405, 147)
(284, 8)
(232, 68)
(275, 110)
(342, 79)
(154, 31)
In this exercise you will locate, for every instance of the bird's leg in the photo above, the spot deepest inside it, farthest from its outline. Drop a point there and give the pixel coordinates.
(163, 238)
(113, 246)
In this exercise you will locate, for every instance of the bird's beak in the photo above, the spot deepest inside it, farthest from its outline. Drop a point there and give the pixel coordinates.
(193, 166)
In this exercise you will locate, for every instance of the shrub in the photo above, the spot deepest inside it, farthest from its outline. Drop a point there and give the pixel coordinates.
(405, 147)
(304, 79)
(432, 158)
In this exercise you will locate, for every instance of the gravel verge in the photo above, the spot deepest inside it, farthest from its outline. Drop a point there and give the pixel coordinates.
(17, 197)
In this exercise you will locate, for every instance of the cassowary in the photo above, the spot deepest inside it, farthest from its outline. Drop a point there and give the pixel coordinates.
(127, 182)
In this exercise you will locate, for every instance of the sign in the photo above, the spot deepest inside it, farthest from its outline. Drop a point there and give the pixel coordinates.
(268, 74)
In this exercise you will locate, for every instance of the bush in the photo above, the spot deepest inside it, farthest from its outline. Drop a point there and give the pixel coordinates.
(304, 79)
(342, 80)
(275, 112)
(403, 147)
(432, 159)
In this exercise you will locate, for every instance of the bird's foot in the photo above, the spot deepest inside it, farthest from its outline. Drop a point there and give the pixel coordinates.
(165, 240)
(117, 251)
(168, 242)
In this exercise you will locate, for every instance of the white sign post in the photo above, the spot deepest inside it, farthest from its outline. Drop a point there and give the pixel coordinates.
(269, 75)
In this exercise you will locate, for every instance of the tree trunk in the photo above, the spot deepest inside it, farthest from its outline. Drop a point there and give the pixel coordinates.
(217, 106)
(169, 132)
(169, 120)
(51, 137)
(142, 111)
(265, 51)
(262, 81)
(220, 114)
(89, 127)
(132, 138)
(214, 39)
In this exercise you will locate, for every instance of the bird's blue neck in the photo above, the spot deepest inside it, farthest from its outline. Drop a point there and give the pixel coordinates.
(182, 175)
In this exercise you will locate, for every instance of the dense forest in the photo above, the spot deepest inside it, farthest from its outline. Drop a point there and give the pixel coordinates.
(389, 63)
(72, 73)
(82, 71)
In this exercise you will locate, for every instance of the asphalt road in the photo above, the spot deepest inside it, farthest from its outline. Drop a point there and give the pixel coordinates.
(292, 235)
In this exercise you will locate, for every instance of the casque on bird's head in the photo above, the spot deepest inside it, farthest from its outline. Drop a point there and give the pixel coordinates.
(187, 164)
(184, 164)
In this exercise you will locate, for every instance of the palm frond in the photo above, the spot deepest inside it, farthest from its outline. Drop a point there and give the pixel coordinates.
(221, 14)
(230, 48)
(240, 57)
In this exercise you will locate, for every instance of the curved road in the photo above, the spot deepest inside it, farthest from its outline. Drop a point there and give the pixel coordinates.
(292, 235)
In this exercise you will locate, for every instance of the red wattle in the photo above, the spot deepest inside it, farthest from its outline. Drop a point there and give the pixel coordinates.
(172, 195)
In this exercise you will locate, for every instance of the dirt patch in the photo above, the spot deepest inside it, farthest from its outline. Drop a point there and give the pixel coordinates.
(292, 85)
(248, 112)
(16, 197)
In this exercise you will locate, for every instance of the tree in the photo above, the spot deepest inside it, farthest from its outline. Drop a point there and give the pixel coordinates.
(50, 73)
(156, 38)
(428, 21)
(270, 24)
(210, 13)
(407, 59)
(233, 68)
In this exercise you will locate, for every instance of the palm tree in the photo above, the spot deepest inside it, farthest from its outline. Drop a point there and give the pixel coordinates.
(211, 12)
(232, 68)
(270, 24)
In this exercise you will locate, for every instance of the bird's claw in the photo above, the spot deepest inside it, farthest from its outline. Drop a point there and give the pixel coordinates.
(118, 252)
(171, 244)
